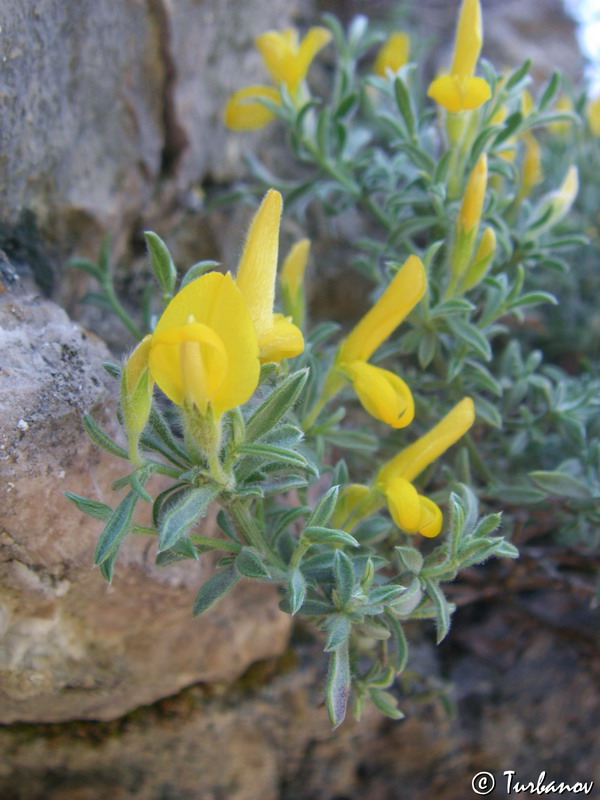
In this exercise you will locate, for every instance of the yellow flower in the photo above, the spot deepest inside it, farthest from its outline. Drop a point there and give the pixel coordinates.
(481, 260)
(136, 395)
(411, 511)
(393, 53)
(474, 196)
(467, 223)
(277, 335)
(560, 200)
(531, 171)
(460, 90)
(245, 112)
(411, 461)
(291, 280)
(288, 60)
(203, 352)
(382, 393)
(593, 116)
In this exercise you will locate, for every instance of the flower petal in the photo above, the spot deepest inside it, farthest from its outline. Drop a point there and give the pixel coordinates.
(393, 53)
(257, 269)
(245, 112)
(403, 503)
(459, 94)
(413, 459)
(411, 511)
(400, 297)
(214, 301)
(384, 395)
(430, 522)
(282, 340)
(469, 38)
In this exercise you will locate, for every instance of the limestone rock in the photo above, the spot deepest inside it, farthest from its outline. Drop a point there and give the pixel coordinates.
(70, 645)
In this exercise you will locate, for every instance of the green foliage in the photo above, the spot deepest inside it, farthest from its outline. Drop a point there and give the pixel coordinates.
(282, 467)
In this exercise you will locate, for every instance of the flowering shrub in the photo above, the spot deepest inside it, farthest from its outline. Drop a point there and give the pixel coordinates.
(330, 503)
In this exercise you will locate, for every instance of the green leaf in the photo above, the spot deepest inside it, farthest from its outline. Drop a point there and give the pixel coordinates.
(518, 75)
(102, 439)
(471, 336)
(386, 595)
(165, 441)
(404, 104)
(442, 610)
(487, 525)
(397, 646)
(108, 565)
(352, 440)
(337, 689)
(272, 453)
(286, 436)
(296, 590)
(533, 298)
(338, 628)
(91, 507)
(324, 509)
(116, 528)
(487, 412)
(410, 559)
(268, 414)
(344, 577)
(561, 483)
(550, 91)
(88, 266)
(214, 589)
(386, 703)
(316, 534)
(161, 262)
(250, 564)
(182, 510)
(197, 270)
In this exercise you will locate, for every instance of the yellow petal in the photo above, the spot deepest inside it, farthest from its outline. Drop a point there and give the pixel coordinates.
(279, 49)
(411, 511)
(593, 116)
(257, 269)
(294, 266)
(282, 340)
(411, 461)
(245, 112)
(136, 395)
(430, 523)
(315, 40)
(459, 94)
(137, 363)
(403, 503)
(384, 395)
(393, 54)
(474, 196)
(400, 297)
(287, 60)
(214, 301)
(469, 38)
(190, 363)
(531, 173)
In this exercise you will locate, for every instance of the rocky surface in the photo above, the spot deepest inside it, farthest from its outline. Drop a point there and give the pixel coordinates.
(70, 645)
(525, 699)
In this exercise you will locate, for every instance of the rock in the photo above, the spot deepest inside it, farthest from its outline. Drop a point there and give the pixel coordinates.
(72, 646)
(522, 702)
(111, 114)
